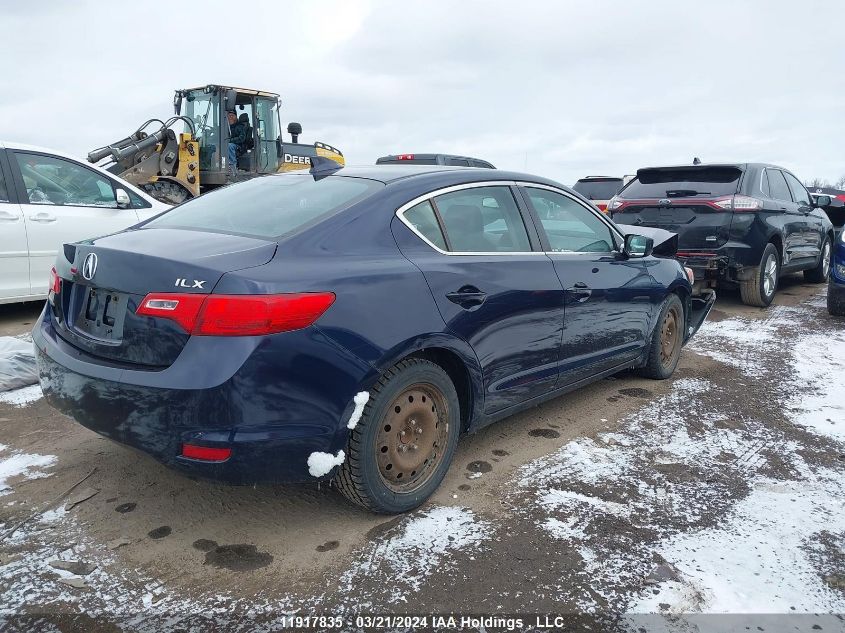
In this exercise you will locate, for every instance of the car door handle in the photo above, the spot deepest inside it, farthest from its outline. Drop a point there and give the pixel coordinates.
(42, 216)
(580, 292)
(8, 215)
(467, 297)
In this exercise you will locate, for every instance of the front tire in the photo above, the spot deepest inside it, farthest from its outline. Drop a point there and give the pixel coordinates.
(760, 289)
(820, 273)
(835, 299)
(664, 352)
(400, 450)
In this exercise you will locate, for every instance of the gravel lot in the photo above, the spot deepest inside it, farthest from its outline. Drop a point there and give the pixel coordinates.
(718, 491)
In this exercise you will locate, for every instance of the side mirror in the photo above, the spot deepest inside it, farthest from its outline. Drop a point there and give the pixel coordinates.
(123, 199)
(822, 201)
(637, 246)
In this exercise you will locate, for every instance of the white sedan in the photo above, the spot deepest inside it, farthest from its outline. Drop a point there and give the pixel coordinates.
(48, 198)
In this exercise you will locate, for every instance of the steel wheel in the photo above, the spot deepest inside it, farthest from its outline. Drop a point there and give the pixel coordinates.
(670, 335)
(770, 275)
(411, 438)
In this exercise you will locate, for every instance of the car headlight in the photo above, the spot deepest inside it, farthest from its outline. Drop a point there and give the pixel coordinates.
(840, 270)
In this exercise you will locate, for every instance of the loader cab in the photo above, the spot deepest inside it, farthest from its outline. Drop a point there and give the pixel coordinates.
(206, 107)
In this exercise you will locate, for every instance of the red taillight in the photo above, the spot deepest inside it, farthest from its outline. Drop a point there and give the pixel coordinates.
(602, 207)
(237, 315)
(206, 453)
(405, 157)
(55, 282)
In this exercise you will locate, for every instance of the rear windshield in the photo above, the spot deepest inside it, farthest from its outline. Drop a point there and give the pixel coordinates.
(598, 189)
(269, 206)
(683, 183)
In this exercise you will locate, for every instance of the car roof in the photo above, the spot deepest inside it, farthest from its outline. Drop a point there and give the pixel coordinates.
(392, 173)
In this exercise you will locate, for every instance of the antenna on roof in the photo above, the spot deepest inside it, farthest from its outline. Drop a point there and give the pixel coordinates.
(696, 161)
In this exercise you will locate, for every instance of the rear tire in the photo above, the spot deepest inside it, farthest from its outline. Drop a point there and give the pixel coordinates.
(400, 450)
(664, 352)
(167, 192)
(760, 289)
(820, 273)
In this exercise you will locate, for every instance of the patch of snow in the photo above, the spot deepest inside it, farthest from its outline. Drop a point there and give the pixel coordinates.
(756, 561)
(320, 464)
(23, 396)
(741, 342)
(421, 545)
(819, 375)
(26, 465)
(360, 401)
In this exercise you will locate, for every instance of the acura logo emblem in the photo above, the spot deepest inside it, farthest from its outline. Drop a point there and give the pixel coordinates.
(90, 266)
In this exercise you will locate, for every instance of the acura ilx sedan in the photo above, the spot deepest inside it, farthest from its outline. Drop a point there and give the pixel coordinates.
(350, 324)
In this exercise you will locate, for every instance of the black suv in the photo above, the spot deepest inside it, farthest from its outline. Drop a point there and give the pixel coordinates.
(433, 159)
(744, 224)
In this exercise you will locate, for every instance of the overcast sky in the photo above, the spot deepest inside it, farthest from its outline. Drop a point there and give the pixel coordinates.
(561, 89)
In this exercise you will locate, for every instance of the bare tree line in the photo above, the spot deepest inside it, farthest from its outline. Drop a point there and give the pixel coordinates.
(821, 182)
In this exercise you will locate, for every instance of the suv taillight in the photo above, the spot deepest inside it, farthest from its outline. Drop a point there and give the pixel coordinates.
(738, 203)
(237, 315)
(55, 286)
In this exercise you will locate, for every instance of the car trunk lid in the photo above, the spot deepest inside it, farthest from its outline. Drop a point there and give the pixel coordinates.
(103, 282)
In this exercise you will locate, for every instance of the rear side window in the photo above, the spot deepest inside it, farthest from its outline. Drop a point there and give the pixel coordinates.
(799, 193)
(424, 220)
(598, 189)
(683, 183)
(458, 162)
(269, 206)
(482, 220)
(777, 185)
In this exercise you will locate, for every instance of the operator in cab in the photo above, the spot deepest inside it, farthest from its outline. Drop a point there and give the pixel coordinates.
(237, 141)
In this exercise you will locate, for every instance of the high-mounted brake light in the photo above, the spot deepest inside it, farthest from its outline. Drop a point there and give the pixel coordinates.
(237, 315)
(405, 157)
(206, 453)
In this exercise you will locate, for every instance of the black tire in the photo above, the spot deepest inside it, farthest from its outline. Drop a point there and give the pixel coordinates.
(167, 192)
(664, 351)
(835, 300)
(760, 289)
(368, 477)
(820, 273)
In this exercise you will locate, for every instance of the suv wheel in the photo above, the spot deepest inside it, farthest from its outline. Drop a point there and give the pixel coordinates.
(819, 274)
(760, 289)
(401, 448)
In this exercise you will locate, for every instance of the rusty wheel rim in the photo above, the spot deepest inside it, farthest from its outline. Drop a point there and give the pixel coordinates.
(412, 437)
(669, 336)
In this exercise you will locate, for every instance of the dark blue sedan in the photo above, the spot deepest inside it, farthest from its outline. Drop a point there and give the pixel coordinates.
(351, 324)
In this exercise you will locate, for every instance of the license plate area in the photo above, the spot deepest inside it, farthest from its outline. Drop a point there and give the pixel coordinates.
(101, 315)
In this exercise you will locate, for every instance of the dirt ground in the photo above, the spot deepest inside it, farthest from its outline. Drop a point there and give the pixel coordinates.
(717, 491)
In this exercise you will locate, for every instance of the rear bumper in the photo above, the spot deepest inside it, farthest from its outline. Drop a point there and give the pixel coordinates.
(272, 401)
(699, 309)
(727, 263)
